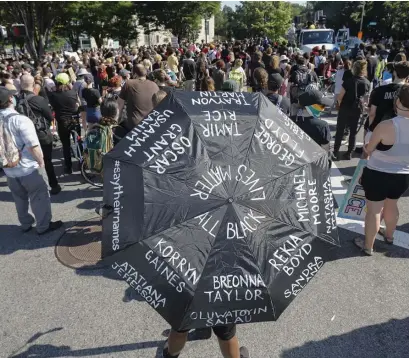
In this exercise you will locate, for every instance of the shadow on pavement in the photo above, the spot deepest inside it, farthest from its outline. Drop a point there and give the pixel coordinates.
(49, 351)
(390, 339)
(35, 337)
(12, 239)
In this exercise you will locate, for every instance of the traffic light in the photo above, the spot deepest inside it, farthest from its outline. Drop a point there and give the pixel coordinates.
(18, 30)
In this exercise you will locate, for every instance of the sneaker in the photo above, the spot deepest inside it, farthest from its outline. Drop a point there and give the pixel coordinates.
(244, 352)
(55, 190)
(347, 156)
(54, 225)
(67, 170)
(27, 229)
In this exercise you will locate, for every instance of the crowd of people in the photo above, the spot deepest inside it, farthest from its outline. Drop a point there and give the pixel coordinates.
(120, 87)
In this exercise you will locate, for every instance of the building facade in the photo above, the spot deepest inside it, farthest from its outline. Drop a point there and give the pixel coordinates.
(164, 37)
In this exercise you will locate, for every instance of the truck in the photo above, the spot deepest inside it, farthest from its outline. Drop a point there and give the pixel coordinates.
(310, 38)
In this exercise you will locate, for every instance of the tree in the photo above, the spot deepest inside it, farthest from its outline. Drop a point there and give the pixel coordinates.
(181, 18)
(38, 17)
(223, 21)
(71, 25)
(122, 27)
(263, 18)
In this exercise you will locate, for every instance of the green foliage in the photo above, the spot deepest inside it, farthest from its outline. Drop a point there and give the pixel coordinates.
(263, 18)
(100, 20)
(391, 16)
(39, 18)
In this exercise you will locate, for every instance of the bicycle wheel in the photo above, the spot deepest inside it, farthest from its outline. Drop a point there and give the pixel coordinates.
(91, 177)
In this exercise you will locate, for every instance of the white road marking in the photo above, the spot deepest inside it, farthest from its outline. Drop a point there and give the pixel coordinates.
(401, 238)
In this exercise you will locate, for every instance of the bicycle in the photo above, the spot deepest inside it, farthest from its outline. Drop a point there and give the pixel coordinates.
(77, 150)
(92, 175)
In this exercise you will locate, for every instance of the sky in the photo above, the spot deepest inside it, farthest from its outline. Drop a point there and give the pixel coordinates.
(233, 4)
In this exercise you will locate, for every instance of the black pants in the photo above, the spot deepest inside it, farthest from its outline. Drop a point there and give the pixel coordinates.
(49, 167)
(64, 134)
(347, 118)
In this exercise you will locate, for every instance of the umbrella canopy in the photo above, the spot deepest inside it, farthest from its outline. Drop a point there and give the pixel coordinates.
(221, 209)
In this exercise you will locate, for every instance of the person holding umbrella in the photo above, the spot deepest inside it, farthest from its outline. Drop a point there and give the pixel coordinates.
(226, 335)
(312, 104)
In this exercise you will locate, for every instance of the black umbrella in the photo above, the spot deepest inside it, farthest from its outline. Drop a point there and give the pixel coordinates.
(221, 209)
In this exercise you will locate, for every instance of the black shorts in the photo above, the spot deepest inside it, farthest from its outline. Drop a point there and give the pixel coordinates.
(379, 186)
(224, 333)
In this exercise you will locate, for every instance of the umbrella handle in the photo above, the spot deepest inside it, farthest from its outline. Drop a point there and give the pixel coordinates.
(104, 210)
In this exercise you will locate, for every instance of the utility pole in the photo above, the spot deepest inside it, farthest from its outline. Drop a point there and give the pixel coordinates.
(362, 16)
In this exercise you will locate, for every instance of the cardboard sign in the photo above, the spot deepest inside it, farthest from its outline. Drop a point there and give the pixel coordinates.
(72, 74)
(174, 42)
(54, 69)
(354, 204)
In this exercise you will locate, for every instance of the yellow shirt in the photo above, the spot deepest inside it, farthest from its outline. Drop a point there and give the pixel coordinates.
(173, 63)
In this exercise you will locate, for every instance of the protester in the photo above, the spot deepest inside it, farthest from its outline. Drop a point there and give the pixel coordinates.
(36, 108)
(207, 84)
(381, 103)
(114, 87)
(238, 74)
(260, 80)
(311, 105)
(274, 66)
(137, 93)
(226, 335)
(189, 72)
(158, 97)
(386, 176)
(219, 75)
(275, 82)
(351, 101)
(230, 86)
(65, 103)
(173, 62)
(25, 180)
(93, 100)
(300, 78)
(372, 65)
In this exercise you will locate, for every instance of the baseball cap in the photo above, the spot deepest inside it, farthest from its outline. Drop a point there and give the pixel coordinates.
(275, 79)
(63, 78)
(230, 86)
(284, 58)
(5, 95)
(313, 96)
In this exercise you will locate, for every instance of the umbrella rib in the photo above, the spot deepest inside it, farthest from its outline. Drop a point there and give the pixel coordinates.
(252, 137)
(283, 175)
(258, 269)
(198, 135)
(204, 266)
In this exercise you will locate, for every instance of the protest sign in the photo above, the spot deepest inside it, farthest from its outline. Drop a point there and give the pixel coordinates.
(354, 204)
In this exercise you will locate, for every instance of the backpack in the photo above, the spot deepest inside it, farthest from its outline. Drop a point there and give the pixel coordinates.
(9, 153)
(304, 80)
(40, 123)
(98, 143)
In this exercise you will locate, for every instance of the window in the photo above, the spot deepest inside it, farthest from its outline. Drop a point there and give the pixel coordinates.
(157, 39)
(146, 39)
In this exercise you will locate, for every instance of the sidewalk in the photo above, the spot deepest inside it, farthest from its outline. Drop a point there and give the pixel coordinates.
(354, 307)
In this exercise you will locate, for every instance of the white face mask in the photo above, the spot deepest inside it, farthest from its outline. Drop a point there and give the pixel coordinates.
(283, 65)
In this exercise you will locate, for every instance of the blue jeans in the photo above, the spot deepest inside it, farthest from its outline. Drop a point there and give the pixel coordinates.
(93, 114)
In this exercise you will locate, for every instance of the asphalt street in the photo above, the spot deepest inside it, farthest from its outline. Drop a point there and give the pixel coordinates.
(355, 307)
